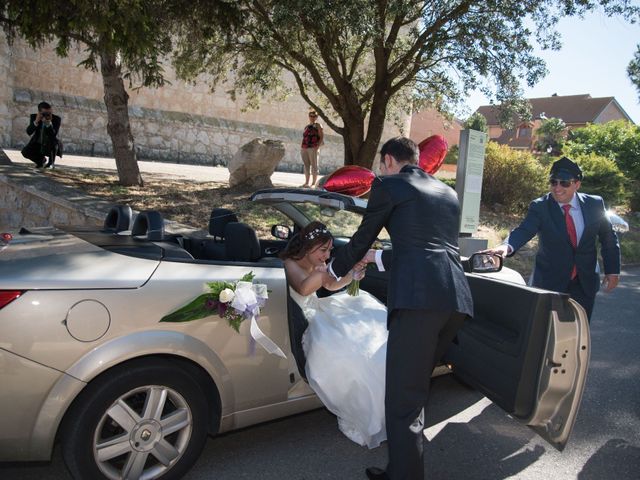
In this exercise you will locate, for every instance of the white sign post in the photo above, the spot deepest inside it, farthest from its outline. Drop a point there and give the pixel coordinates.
(469, 188)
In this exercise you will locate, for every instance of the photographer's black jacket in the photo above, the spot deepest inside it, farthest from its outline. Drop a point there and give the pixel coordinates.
(35, 129)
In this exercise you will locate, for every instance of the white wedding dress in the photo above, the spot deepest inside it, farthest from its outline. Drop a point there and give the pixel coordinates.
(345, 346)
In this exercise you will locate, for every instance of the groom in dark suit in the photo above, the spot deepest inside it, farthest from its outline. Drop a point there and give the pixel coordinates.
(428, 294)
(568, 224)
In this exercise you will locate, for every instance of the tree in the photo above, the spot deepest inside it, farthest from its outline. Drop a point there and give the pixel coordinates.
(619, 141)
(125, 39)
(360, 62)
(633, 70)
(478, 122)
(550, 135)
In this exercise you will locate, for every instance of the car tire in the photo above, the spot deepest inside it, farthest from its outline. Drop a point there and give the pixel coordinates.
(146, 418)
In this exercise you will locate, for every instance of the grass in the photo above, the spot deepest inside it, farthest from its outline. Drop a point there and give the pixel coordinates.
(190, 203)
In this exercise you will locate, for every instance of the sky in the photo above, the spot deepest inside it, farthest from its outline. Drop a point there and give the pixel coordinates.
(593, 59)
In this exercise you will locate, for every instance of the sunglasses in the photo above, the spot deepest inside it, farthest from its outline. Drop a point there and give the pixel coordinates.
(563, 183)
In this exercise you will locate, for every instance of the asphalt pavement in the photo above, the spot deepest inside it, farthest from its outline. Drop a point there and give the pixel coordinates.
(468, 437)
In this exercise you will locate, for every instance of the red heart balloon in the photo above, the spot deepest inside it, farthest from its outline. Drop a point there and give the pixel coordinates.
(432, 153)
(350, 180)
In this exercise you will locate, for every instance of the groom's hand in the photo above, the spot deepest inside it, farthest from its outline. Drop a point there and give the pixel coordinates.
(369, 257)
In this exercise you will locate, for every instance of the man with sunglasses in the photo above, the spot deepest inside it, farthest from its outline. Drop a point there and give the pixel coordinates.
(43, 128)
(568, 224)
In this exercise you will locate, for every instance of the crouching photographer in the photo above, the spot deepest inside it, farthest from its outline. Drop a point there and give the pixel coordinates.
(43, 128)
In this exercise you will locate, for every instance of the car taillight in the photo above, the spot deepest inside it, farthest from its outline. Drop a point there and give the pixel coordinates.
(8, 296)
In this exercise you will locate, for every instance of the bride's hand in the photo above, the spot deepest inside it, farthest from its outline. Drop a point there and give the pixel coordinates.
(358, 274)
(321, 268)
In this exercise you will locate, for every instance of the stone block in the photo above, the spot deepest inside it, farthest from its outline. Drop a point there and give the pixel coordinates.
(22, 96)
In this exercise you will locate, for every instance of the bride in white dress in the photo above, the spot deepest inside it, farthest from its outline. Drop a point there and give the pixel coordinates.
(346, 341)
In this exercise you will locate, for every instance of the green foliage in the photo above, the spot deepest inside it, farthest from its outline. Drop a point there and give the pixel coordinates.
(511, 178)
(358, 62)
(619, 141)
(139, 32)
(478, 122)
(452, 155)
(633, 70)
(601, 177)
(449, 181)
(550, 135)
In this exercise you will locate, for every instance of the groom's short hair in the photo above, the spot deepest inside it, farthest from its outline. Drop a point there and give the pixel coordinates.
(403, 149)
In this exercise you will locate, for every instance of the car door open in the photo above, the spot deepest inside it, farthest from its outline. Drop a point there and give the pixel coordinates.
(528, 351)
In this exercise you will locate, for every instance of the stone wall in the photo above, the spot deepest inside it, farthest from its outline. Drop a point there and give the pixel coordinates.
(5, 91)
(162, 135)
(24, 205)
(180, 122)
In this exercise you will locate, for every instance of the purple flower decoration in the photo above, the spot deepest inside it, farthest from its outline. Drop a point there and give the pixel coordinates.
(210, 304)
(222, 309)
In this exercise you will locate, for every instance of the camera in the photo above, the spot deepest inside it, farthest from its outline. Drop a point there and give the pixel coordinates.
(46, 114)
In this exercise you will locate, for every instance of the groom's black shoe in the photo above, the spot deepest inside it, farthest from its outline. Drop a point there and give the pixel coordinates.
(375, 473)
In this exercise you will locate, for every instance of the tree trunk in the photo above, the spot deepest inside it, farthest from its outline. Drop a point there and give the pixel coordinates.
(116, 99)
(359, 149)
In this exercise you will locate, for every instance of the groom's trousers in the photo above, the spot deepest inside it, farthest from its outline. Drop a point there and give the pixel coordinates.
(417, 340)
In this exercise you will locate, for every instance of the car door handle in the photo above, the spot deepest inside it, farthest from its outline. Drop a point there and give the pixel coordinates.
(271, 250)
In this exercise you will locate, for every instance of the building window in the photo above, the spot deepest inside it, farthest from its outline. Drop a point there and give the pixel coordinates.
(524, 132)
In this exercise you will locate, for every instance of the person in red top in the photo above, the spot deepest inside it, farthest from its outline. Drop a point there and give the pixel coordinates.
(312, 140)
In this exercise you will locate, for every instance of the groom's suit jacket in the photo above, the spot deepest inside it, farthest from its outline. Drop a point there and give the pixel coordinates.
(421, 215)
(555, 257)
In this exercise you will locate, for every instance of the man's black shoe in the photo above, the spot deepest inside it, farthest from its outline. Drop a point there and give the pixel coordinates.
(375, 473)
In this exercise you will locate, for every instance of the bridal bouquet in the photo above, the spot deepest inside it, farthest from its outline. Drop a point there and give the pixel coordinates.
(235, 302)
(353, 288)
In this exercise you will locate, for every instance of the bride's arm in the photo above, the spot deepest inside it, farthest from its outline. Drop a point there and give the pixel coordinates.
(303, 282)
(330, 283)
(306, 284)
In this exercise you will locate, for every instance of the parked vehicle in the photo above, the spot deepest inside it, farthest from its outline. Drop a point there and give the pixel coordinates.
(86, 361)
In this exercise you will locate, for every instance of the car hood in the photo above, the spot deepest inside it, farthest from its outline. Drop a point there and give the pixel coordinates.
(47, 258)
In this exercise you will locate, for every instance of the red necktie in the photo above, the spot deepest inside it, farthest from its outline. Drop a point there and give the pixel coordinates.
(573, 236)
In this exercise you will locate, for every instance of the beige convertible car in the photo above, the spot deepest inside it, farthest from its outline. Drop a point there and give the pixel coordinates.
(86, 361)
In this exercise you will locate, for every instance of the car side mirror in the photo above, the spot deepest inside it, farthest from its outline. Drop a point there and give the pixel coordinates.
(281, 231)
(485, 263)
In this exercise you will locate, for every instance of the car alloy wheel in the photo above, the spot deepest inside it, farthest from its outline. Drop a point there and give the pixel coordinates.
(143, 433)
(143, 420)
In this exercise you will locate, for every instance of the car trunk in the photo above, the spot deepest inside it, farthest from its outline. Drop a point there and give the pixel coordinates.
(48, 258)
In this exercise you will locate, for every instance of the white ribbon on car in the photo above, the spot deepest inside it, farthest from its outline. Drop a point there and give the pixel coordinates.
(248, 299)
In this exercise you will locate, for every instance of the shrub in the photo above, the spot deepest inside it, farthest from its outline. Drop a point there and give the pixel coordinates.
(478, 122)
(452, 155)
(618, 140)
(601, 176)
(511, 178)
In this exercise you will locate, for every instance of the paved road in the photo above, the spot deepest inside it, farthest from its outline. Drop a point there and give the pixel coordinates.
(469, 437)
(171, 170)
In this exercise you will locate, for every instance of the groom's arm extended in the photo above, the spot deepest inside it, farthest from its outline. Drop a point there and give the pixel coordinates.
(378, 210)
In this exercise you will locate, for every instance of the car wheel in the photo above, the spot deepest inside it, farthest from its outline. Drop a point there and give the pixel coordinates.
(145, 420)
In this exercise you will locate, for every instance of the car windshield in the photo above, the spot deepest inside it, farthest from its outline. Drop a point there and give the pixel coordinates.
(342, 223)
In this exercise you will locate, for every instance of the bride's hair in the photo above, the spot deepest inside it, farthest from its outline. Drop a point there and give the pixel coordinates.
(309, 237)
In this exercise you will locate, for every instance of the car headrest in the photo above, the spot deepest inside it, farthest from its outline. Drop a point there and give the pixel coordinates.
(118, 219)
(218, 221)
(150, 224)
(241, 243)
